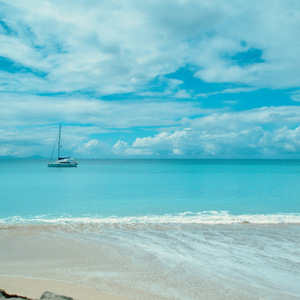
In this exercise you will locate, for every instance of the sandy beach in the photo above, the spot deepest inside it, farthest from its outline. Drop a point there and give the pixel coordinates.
(34, 260)
(96, 263)
(90, 261)
(34, 288)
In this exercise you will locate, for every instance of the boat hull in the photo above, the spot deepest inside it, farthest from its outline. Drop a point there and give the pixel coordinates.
(62, 165)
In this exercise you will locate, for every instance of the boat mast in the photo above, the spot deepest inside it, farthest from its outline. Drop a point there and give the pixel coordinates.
(58, 149)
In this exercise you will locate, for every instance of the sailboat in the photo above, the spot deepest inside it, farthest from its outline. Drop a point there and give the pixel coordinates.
(61, 161)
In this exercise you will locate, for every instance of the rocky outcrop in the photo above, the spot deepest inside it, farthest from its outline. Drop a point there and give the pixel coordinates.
(45, 296)
(4, 295)
(52, 296)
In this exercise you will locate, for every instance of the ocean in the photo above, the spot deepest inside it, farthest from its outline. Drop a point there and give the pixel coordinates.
(155, 229)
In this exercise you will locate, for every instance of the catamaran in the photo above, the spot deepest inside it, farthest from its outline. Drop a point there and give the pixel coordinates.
(61, 161)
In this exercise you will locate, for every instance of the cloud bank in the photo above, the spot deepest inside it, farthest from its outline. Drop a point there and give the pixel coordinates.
(216, 136)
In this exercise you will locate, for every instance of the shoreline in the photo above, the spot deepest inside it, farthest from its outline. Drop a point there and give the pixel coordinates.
(34, 288)
(92, 262)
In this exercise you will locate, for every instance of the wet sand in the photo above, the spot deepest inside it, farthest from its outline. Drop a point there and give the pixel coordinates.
(92, 261)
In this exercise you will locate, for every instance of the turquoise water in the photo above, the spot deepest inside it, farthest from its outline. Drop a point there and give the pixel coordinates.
(155, 229)
(149, 187)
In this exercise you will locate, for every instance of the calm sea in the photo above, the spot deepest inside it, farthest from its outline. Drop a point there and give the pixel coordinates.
(184, 224)
(104, 188)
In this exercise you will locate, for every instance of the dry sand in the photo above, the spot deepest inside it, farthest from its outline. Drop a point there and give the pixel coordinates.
(34, 288)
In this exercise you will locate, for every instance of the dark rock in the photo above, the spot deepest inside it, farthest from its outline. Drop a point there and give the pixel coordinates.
(45, 296)
(52, 296)
(4, 295)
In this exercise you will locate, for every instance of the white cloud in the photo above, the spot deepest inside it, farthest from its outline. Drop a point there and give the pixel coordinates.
(248, 135)
(26, 123)
(118, 47)
(283, 140)
(94, 148)
(42, 110)
(276, 116)
(255, 24)
(266, 131)
(252, 142)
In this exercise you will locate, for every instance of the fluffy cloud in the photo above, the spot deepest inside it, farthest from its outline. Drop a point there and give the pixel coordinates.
(275, 116)
(264, 132)
(252, 142)
(94, 148)
(282, 140)
(26, 124)
(118, 47)
(209, 136)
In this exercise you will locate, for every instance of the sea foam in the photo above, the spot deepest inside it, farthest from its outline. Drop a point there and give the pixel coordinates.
(206, 217)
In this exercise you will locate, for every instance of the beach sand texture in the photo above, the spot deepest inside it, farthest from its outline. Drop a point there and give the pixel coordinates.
(90, 262)
(34, 288)
(108, 265)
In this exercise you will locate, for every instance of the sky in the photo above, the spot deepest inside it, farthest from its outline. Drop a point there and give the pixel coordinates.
(151, 78)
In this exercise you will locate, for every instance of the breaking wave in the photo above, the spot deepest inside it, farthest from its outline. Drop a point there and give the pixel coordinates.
(206, 217)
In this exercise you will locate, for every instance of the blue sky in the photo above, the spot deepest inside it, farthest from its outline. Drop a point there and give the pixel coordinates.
(150, 79)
